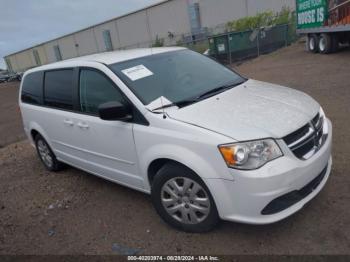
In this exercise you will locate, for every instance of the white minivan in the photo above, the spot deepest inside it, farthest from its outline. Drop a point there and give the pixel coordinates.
(205, 142)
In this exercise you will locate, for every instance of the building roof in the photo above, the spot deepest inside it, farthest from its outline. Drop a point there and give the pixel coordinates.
(109, 58)
(92, 26)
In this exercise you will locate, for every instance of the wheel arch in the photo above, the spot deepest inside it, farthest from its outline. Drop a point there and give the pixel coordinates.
(34, 130)
(157, 164)
(157, 156)
(34, 133)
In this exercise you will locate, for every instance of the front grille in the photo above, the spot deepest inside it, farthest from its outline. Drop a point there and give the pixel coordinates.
(283, 202)
(306, 141)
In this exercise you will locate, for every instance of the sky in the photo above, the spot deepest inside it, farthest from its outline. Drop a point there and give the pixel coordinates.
(24, 23)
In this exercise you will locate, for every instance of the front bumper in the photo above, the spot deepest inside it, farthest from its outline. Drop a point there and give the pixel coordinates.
(245, 198)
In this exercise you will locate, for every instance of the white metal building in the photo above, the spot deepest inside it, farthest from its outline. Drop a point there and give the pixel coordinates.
(169, 20)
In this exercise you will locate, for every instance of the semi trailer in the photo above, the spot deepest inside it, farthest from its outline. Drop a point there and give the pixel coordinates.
(326, 23)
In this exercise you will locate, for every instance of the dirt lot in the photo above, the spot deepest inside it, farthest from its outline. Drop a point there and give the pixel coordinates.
(73, 212)
(10, 122)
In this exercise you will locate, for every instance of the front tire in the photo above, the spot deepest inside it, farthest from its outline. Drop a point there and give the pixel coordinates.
(46, 155)
(183, 200)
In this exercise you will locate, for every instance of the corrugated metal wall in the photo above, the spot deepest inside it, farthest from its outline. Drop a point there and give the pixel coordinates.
(42, 54)
(213, 13)
(255, 6)
(86, 42)
(50, 51)
(175, 13)
(112, 28)
(141, 28)
(67, 47)
(134, 30)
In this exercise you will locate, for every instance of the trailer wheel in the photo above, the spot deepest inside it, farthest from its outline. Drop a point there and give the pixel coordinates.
(312, 43)
(325, 44)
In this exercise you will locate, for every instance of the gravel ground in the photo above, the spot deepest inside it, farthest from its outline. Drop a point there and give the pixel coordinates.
(72, 212)
(11, 129)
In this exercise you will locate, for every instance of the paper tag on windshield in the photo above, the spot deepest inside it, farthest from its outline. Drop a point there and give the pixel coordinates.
(137, 72)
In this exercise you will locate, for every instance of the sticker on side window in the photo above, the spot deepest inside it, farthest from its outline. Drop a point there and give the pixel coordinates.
(137, 72)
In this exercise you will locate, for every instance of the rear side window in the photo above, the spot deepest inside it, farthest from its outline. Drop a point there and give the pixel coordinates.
(96, 89)
(58, 91)
(32, 88)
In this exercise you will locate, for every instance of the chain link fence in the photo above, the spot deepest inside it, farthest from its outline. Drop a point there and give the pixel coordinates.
(197, 42)
(236, 46)
(230, 47)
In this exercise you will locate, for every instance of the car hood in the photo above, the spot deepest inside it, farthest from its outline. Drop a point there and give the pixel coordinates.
(252, 110)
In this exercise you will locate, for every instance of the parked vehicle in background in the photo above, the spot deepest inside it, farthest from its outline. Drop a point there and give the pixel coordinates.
(19, 76)
(4, 78)
(325, 22)
(205, 142)
(15, 77)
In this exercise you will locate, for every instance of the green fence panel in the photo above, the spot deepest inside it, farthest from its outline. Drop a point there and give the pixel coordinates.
(212, 46)
(236, 46)
(221, 45)
(243, 45)
(273, 38)
(292, 34)
(241, 41)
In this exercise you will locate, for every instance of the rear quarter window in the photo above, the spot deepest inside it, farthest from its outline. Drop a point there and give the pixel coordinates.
(32, 88)
(58, 89)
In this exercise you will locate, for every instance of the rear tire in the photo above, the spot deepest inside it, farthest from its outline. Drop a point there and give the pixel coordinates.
(325, 44)
(335, 43)
(183, 200)
(46, 155)
(312, 43)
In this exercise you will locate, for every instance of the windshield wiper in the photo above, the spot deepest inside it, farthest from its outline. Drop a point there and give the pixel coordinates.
(219, 89)
(201, 97)
(178, 104)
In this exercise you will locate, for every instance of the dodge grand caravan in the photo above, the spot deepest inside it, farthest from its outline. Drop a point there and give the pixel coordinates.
(205, 142)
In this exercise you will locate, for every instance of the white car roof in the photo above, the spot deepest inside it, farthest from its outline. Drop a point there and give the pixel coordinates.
(109, 57)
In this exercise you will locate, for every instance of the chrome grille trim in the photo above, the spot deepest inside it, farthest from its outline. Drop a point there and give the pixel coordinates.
(308, 135)
(307, 141)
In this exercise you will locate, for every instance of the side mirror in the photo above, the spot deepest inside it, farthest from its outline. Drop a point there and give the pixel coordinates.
(114, 111)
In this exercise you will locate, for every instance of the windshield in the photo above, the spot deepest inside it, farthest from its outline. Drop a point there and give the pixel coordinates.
(176, 76)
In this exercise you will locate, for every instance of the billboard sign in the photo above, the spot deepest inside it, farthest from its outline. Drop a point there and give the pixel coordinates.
(311, 13)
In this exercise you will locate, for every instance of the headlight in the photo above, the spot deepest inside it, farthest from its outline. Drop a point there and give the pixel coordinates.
(250, 155)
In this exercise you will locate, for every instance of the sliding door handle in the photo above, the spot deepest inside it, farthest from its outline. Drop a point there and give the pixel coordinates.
(68, 122)
(83, 125)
